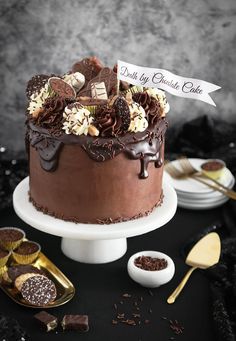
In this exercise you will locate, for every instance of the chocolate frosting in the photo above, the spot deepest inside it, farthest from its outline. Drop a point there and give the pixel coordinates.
(144, 146)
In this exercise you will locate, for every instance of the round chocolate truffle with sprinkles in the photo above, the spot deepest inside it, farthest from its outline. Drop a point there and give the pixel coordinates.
(39, 290)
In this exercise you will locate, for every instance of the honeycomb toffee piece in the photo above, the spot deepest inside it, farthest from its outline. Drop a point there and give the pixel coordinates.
(75, 322)
(47, 321)
(38, 290)
(150, 263)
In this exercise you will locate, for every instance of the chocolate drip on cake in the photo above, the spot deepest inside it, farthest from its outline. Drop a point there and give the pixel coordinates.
(141, 146)
(48, 149)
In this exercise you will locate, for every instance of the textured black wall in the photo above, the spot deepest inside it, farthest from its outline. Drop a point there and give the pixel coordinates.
(191, 38)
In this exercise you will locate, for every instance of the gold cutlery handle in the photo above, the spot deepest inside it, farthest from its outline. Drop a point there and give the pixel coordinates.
(216, 182)
(171, 299)
(216, 188)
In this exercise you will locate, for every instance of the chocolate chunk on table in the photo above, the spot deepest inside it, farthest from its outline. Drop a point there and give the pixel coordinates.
(75, 322)
(47, 321)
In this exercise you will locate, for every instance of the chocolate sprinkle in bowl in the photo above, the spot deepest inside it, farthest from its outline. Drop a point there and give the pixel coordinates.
(151, 269)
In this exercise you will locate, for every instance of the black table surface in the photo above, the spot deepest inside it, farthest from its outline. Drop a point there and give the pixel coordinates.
(99, 287)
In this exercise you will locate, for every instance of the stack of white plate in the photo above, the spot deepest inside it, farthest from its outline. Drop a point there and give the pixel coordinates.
(195, 195)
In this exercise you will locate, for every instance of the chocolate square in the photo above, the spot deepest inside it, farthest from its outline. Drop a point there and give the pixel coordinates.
(46, 320)
(75, 322)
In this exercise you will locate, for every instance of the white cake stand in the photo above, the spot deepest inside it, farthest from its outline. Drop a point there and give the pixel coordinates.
(93, 243)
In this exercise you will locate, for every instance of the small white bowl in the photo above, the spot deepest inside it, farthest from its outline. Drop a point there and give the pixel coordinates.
(151, 279)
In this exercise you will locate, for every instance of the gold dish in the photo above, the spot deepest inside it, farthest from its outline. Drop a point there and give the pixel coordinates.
(65, 289)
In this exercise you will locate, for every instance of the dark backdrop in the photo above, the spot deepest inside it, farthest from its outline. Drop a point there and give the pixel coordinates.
(191, 38)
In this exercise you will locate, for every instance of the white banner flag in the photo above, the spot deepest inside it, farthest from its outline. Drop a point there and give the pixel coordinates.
(166, 80)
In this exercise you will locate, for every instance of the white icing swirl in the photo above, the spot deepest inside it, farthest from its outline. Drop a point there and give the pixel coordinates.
(37, 100)
(161, 97)
(138, 118)
(77, 120)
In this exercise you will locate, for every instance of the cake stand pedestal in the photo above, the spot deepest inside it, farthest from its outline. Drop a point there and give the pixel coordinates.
(93, 243)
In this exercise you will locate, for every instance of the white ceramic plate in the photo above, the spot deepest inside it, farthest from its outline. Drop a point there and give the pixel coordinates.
(193, 187)
(206, 198)
(204, 206)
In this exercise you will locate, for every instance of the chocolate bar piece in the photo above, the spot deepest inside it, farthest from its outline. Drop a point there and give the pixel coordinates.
(106, 75)
(75, 322)
(98, 90)
(46, 320)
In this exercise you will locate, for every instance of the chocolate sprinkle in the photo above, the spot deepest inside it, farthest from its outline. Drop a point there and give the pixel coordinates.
(35, 84)
(150, 263)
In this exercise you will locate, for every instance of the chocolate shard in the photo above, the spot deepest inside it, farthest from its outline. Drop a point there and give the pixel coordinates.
(47, 321)
(75, 322)
(61, 88)
(106, 75)
(89, 67)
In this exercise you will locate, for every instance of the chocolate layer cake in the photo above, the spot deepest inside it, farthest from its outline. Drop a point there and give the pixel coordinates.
(96, 147)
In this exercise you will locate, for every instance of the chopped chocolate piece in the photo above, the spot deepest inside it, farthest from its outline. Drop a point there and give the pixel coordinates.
(107, 76)
(75, 322)
(27, 248)
(61, 88)
(89, 67)
(15, 271)
(39, 290)
(46, 320)
(114, 322)
(150, 263)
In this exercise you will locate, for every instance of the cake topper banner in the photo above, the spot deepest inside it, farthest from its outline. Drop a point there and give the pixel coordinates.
(166, 80)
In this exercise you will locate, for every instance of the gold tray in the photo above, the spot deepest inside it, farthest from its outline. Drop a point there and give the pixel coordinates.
(65, 289)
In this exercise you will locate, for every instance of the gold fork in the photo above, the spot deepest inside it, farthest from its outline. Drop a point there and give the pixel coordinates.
(190, 170)
(178, 174)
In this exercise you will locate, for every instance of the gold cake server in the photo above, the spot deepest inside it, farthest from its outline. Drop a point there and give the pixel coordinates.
(205, 253)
